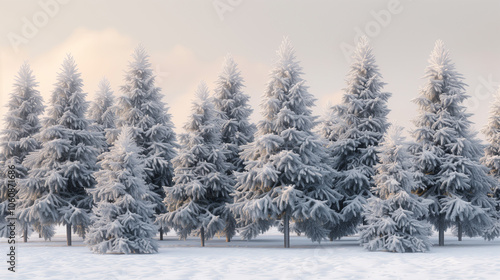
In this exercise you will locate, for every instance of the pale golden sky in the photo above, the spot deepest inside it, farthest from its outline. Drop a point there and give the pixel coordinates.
(187, 41)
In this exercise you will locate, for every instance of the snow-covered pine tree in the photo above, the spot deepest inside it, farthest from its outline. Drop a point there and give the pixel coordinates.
(448, 153)
(235, 111)
(123, 220)
(233, 104)
(286, 177)
(102, 111)
(491, 160)
(197, 201)
(357, 127)
(142, 108)
(60, 172)
(395, 218)
(21, 120)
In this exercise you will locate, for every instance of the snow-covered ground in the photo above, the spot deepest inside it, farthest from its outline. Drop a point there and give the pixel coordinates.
(262, 258)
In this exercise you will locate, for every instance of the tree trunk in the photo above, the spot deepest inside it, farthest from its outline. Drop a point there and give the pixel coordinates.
(288, 238)
(202, 235)
(286, 229)
(25, 234)
(68, 234)
(228, 239)
(161, 233)
(441, 229)
(459, 229)
(39, 235)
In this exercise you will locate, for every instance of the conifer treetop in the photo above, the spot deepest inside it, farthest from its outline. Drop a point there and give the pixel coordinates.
(68, 104)
(234, 111)
(286, 93)
(102, 110)
(22, 120)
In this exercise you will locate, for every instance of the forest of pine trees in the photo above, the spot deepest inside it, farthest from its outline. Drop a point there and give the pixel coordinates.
(114, 171)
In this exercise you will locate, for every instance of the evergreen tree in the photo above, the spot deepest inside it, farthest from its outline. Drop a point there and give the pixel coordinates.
(123, 217)
(142, 108)
(102, 111)
(233, 104)
(394, 215)
(197, 201)
(357, 127)
(448, 153)
(21, 124)
(491, 160)
(491, 157)
(286, 176)
(55, 190)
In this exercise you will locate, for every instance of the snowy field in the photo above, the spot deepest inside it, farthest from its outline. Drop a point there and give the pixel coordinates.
(262, 258)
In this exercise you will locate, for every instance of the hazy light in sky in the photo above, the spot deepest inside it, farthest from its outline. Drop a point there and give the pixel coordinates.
(187, 41)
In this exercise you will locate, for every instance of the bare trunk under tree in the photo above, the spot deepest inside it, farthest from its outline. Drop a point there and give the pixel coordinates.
(161, 233)
(286, 229)
(68, 234)
(25, 234)
(441, 229)
(202, 236)
(459, 229)
(228, 239)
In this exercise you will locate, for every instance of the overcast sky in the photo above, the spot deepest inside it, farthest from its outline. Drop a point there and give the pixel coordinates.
(187, 41)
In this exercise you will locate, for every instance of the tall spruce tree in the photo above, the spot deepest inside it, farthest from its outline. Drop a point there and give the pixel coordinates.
(448, 153)
(123, 220)
(286, 175)
(198, 199)
(102, 111)
(491, 160)
(60, 172)
(235, 111)
(141, 107)
(356, 128)
(21, 120)
(395, 218)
